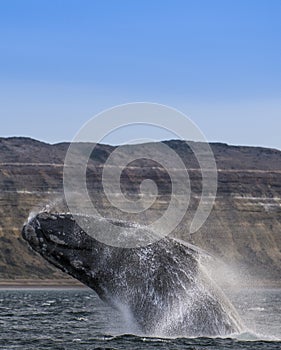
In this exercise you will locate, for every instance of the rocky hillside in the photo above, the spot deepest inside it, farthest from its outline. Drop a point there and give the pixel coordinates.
(244, 228)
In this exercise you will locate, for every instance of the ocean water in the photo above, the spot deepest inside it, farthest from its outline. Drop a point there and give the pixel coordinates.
(78, 319)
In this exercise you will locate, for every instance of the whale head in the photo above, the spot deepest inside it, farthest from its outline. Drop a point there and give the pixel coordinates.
(46, 231)
(60, 240)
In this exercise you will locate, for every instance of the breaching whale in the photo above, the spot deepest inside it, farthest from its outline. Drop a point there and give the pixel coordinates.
(162, 286)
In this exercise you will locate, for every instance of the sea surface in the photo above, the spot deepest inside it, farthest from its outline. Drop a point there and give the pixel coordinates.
(78, 319)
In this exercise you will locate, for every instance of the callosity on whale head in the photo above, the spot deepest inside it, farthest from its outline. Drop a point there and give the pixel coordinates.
(161, 286)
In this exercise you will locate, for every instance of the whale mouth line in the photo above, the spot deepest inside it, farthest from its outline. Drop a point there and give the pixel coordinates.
(64, 245)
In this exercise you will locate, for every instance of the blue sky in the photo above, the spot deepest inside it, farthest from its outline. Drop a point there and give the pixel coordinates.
(219, 62)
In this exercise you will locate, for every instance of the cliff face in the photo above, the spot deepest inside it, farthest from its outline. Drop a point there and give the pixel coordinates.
(244, 227)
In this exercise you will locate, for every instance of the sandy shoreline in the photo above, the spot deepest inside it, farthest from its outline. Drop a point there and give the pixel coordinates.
(74, 284)
(37, 283)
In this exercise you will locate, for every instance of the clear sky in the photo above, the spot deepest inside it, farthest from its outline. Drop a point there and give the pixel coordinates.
(219, 62)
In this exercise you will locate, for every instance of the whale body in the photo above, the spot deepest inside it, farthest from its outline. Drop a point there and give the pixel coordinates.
(162, 286)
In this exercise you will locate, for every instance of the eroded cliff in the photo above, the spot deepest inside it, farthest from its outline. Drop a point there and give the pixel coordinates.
(244, 228)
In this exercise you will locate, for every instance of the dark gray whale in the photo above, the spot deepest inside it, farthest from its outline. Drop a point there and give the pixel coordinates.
(162, 287)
